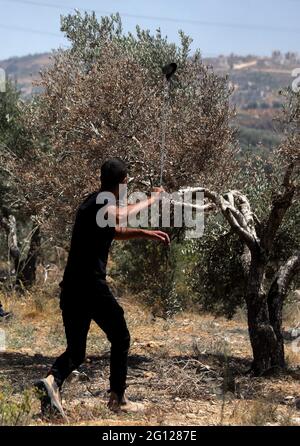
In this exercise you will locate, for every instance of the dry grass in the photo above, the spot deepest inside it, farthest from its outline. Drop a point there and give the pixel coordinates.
(190, 370)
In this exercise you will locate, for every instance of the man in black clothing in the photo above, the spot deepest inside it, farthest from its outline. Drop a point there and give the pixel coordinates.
(84, 281)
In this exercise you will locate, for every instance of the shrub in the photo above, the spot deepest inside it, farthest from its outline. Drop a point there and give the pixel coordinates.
(12, 411)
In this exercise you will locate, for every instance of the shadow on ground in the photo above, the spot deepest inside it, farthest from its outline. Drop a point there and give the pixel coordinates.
(185, 376)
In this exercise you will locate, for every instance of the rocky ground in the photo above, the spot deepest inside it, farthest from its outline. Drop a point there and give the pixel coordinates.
(190, 370)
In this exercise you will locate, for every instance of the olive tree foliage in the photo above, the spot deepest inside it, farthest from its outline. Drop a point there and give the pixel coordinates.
(104, 97)
(13, 138)
(18, 230)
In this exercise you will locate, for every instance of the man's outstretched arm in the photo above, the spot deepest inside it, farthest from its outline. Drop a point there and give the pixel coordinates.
(120, 213)
(134, 233)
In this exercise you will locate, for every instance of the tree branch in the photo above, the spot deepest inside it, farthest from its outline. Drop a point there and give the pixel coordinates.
(285, 275)
(281, 203)
(237, 211)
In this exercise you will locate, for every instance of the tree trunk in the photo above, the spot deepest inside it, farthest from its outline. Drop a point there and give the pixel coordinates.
(275, 305)
(262, 336)
(264, 311)
(27, 271)
(9, 224)
(276, 296)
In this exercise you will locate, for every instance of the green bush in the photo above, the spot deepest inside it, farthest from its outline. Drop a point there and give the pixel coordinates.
(159, 275)
(217, 276)
(15, 412)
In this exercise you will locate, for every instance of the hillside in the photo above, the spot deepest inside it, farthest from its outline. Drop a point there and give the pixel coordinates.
(25, 70)
(257, 82)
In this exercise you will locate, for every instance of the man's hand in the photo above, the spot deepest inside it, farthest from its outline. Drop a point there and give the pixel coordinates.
(133, 233)
(159, 236)
(157, 191)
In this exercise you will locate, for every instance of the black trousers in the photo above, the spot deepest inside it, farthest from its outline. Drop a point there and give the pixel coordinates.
(101, 306)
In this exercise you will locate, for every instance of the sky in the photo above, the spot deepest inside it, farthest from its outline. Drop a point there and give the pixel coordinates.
(216, 26)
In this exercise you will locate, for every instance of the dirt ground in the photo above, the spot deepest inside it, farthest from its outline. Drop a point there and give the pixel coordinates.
(190, 370)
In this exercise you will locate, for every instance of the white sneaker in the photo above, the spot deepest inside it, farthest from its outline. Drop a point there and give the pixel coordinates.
(51, 399)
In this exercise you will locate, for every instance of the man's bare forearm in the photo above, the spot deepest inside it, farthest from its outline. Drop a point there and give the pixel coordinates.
(122, 213)
(131, 209)
(130, 233)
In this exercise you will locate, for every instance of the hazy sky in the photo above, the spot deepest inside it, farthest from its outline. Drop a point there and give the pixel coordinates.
(216, 26)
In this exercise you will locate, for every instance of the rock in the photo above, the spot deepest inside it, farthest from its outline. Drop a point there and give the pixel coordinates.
(153, 344)
(288, 399)
(191, 416)
(291, 334)
(149, 375)
(297, 294)
(295, 333)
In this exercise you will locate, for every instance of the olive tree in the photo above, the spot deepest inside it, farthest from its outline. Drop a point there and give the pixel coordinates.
(264, 299)
(104, 97)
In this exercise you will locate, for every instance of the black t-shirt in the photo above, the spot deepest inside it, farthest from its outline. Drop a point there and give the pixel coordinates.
(90, 244)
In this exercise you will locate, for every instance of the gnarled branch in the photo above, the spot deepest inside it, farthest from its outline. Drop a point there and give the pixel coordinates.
(281, 203)
(236, 209)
